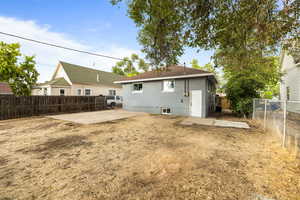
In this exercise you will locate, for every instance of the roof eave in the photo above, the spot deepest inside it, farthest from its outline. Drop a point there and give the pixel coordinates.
(164, 78)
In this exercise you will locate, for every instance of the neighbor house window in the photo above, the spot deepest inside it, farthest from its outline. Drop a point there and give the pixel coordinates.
(62, 92)
(288, 93)
(112, 92)
(79, 92)
(138, 87)
(45, 91)
(98, 78)
(87, 92)
(169, 86)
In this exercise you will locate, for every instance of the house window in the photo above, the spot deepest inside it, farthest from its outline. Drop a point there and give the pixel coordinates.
(288, 93)
(45, 91)
(112, 92)
(62, 92)
(87, 92)
(165, 111)
(138, 88)
(79, 92)
(169, 86)
(98, 78)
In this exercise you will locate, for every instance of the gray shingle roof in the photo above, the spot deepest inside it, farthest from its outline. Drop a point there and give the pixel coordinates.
(170, 71)
(57, 81)
(84, 75)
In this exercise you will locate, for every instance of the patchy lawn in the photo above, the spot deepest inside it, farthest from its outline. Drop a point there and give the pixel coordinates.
(146, 157)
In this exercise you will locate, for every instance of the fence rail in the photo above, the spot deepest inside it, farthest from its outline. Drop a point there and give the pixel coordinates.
(25, 106)
(281, 117)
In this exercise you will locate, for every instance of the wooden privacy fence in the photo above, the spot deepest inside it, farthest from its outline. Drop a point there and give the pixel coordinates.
(25, 106)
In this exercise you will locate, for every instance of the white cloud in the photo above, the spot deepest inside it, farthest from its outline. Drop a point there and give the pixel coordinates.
(48, 57)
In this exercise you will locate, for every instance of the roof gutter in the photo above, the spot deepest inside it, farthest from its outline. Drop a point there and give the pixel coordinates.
(167, 77)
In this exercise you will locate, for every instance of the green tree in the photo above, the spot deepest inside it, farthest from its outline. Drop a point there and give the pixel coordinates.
(258, 78)
(130, 66)
(207, 67)
(21, 75)
(165, 27)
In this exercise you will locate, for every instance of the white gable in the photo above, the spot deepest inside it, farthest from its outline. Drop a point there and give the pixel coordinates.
(61, 73)
(287, 62)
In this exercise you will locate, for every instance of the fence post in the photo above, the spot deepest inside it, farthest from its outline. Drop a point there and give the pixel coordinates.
(253, 111)
(284, 124)
(265, 115)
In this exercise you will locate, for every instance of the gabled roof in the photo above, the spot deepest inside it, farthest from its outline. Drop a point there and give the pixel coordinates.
(170, 72)
(84, 75)
(58, 81)
(5, 88)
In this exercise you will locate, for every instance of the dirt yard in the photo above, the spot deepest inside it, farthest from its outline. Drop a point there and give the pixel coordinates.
(146, 157)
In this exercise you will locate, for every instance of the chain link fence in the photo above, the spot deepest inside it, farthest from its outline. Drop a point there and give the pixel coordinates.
(281, 117)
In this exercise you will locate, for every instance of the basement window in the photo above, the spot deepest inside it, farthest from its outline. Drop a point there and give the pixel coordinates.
(165, 111)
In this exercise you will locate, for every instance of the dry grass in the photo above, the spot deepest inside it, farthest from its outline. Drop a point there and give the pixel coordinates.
(148, 157)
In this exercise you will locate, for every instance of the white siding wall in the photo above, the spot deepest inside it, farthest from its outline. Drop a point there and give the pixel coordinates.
(290, 79)
(95, 90)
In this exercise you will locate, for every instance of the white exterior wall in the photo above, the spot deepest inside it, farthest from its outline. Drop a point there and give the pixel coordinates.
(40, 90)
(95, 90)
(72, 90)
(55, 91)
(291, 79)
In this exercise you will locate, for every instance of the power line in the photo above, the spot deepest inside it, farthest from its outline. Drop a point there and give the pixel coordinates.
(62, 47)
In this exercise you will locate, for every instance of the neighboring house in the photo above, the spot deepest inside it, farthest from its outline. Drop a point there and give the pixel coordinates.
(5, 89)
(75, 80)
(174, 90)
(290, 84)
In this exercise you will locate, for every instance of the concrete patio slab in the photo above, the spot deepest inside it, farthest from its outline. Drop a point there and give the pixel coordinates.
(97, 116)
(225, 123)
(213, 122)
(198, 120)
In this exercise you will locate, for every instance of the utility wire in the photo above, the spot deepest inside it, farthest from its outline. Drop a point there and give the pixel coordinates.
(58, 46)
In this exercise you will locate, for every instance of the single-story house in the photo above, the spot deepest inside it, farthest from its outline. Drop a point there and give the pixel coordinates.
(290, 83)
(74, 80)
(177, 90)
(5, 88)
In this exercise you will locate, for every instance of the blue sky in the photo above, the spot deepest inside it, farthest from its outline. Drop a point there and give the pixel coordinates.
(93, 25)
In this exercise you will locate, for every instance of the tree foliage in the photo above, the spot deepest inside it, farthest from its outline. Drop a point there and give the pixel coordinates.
(130, 66)
(21, 75)
(207, 67)
(258, 77)
(165, 27)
